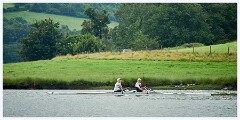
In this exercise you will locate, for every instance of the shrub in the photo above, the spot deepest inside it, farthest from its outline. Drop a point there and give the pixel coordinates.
(189, 45)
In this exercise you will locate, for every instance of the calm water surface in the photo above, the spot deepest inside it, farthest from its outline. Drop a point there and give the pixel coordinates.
(38, 103)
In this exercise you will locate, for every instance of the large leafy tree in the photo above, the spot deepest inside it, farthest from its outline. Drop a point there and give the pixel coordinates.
(223, 21)
(79, 43)
(97, 25)
(40, 43)
(129, 33)
(175, 24)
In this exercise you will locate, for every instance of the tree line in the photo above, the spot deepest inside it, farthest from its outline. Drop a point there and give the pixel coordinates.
(45, 40)
(170, 25)
(141, 26)
(14, 30)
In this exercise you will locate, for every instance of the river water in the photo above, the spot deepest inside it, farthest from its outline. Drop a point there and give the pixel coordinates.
(38, 103)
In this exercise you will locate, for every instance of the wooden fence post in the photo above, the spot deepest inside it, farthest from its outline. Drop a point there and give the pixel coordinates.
(210, 49)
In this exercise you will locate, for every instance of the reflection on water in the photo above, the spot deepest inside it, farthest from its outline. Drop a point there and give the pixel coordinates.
(34, 103)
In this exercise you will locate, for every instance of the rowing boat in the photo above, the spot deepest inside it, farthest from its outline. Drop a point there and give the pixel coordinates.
(96, 92)
(133, 92)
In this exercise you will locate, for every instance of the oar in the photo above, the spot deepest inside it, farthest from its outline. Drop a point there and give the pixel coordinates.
(147, 88)
(122, 89)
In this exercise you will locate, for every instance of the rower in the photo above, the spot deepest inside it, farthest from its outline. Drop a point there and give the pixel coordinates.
(138, 85)
(118, 85)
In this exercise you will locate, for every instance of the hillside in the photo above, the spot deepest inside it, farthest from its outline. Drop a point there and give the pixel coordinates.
(220, 48)
(66, 9)
(8, 5)
(219, 53)
(71, 22)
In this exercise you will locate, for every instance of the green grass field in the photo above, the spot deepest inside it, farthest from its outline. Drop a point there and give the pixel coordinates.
(8, 5)
(71, 22)
(152, 72)
(109, 70)
(220, 48)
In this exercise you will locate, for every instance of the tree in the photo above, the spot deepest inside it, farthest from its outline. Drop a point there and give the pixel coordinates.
(87, 43)
(14, 29)
(143, 42)
(223, 21)
(129, 33)
(39, 7)
(97, 25)
(168, 24)
(78, 44)
(41, 42)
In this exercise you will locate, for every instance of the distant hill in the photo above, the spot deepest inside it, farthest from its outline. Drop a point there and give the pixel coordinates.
(8, 5)
(71, 22)
(67, 9)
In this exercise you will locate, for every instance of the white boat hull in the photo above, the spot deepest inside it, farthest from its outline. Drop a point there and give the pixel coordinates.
(125, 93)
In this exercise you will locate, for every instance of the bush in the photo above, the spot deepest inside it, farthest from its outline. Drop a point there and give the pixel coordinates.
(189, 45)
(79, 44)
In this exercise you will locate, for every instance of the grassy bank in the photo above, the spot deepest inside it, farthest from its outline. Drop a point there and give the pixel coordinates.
(71, 22)
(156, 84)
(156, 55)
(90, 73)
(218, 53)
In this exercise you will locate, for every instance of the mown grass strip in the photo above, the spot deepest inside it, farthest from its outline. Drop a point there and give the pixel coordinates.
(35, 83)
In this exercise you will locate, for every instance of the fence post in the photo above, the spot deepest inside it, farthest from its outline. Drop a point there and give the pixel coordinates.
(210, 49)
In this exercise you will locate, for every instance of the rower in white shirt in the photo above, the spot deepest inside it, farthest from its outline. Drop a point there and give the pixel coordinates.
(138, 86)
(118, 86)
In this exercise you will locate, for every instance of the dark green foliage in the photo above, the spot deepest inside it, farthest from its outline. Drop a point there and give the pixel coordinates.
(175, 24)
(223, 21)
(40, 43)
(65, 30)
(97, 25)
(189, 45)
(78, 44)
(14, 29)
(11, 53)
(141, 42)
